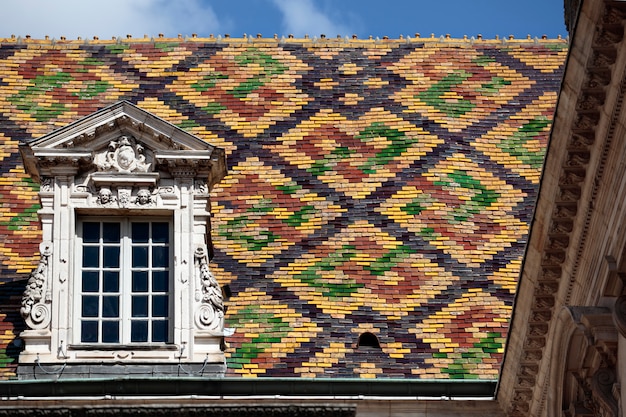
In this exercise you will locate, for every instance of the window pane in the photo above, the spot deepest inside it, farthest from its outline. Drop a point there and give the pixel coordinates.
(160, 232)
(160, 281)
(141, 232)
(111, 281)
(91, 257)
(110, 232)
(90, 281)
(159, 306)
(159, 331)
(111, 255)
(89, 331)
(140, 281)
(91, 232)
(110, 306)
(90, 306)
(110, 332)
(138, 331)
(160, 257)
(140, 257)
(104, 301)
(140, 306)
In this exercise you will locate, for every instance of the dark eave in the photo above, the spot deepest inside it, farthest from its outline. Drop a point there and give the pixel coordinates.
(225, 387)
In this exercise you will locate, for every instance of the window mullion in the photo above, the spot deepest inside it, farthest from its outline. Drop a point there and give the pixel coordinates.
(126, 278)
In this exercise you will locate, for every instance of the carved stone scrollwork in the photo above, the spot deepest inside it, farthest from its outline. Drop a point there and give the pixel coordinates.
(201, 188)
(35, 305)
(46, 185)
(602, 388)
(210, 314)
(613, 16)
(122, 155)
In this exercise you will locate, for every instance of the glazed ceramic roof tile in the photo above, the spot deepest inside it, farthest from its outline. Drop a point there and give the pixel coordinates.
(373, 187)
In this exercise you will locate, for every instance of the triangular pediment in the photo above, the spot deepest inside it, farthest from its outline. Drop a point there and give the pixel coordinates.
(123, 138)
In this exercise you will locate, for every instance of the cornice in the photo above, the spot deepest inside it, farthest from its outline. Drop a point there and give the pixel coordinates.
(569, 207)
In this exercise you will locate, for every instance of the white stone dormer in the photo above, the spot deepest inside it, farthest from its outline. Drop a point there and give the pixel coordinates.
(123, 285)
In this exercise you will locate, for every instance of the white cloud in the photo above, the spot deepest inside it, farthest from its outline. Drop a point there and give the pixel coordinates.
(106, 19)
(301, 17)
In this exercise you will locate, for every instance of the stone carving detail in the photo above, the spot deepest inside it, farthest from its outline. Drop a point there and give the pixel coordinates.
(169, 189)
(46, 185)
(561, 227)
(613, 16)
(577, 159)
(602, 387)
(589, 102)
(144, 197)
(572, 177)
(596, 393)
(105, 197)
(124, 197)
(603, 60)
(122, 155)
(581, 141)
(535, 343)
(201, 188)
(533, 355)
(35, 304)
(210, 314)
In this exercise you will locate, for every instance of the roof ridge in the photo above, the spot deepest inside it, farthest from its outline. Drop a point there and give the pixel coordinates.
(322, 39)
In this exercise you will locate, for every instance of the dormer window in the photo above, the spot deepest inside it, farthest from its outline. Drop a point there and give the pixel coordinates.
(124, 282)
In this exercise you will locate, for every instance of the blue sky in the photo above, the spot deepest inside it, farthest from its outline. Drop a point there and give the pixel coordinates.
(377, 18)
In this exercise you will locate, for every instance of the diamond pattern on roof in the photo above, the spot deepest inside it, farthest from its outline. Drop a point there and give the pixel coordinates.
(57, 86)
(458, 88)
(381, 187)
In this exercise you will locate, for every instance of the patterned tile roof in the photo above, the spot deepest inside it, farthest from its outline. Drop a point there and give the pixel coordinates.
(383, 187)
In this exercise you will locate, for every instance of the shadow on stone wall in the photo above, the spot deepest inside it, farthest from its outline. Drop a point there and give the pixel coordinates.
(11, 325)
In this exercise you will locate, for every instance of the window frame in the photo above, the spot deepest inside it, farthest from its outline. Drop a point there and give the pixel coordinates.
(124, 283)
